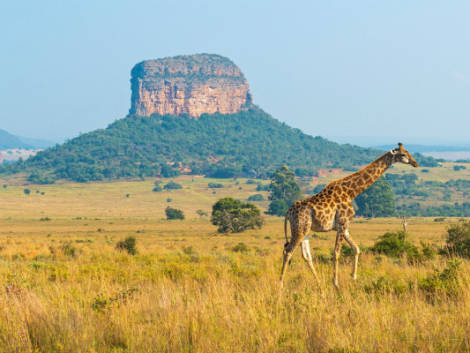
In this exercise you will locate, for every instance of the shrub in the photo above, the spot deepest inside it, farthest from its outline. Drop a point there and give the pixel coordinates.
(214, 186)
(428, 251)
(158, 186)
(458, 239)
(394, 244)
(27, 191)
(173, 213)
(240, 247)
(256, 197)
(232, 215)
(443, 283)
(387, 285)
(172, 186)
(128, 244)
(201, 213)
(68, 249)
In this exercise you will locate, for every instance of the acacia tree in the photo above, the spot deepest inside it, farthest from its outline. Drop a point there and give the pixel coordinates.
(234, 216)
(284, 191)
(376, 201)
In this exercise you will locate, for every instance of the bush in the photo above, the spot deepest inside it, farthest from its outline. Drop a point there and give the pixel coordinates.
(27, 191)
(256, 197)
(128, 244)
(240, 247)
(394, 244)
(442, 284)
(68, 249)
(173, 213)
(214, 186)
(458, 239)
(234, 216)
(158, 186)
(387, 285)
(172, 186)
(201, 213)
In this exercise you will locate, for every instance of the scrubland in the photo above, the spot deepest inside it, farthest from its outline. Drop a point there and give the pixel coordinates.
(64, 287)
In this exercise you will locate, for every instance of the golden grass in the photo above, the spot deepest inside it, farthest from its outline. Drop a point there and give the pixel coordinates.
(187, 290)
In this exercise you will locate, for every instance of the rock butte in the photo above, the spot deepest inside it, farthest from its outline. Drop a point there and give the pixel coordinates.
(188, 85)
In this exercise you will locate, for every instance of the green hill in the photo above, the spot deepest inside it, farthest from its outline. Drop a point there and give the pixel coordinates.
(246, 143)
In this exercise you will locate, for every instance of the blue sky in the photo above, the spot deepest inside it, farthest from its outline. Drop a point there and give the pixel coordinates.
(366, 72)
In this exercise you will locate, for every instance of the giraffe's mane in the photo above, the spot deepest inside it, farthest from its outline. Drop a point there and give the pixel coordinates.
(359, 172)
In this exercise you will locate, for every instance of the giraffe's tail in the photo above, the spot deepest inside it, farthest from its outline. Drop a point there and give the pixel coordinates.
(285, 232)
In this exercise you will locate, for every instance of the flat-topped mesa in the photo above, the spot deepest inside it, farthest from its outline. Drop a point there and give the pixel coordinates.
(190, 84)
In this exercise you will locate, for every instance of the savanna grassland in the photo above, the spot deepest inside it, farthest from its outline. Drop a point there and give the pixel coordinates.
(66, 288)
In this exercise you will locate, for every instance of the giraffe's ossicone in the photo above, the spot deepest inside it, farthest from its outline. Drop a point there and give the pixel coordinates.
(331, 209)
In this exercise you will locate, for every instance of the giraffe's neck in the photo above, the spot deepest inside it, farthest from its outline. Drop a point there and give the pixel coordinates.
(363, 179)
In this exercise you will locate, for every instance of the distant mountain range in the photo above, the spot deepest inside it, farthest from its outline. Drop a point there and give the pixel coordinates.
(9, 141)
(427, 148)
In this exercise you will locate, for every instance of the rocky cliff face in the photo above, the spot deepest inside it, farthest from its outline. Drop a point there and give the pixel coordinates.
(191, 84)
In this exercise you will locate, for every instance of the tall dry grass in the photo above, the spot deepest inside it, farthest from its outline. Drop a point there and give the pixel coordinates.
(220, 300)
(64, 287)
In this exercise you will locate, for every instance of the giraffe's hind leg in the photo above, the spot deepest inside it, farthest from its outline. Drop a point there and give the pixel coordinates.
(307, 256)
(286, 258)
(299, 227)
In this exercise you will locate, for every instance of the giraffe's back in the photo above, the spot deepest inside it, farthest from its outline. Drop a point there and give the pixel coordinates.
(317, 213)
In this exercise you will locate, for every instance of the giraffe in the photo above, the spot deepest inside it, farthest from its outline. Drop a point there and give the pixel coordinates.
(331, 209)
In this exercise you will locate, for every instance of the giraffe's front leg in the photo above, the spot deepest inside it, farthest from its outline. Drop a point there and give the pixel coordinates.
(356, 250)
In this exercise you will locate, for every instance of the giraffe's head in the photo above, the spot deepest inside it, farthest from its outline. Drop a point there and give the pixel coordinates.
(400, 155)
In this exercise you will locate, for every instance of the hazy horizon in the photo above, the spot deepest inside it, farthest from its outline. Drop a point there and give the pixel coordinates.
(344, 71)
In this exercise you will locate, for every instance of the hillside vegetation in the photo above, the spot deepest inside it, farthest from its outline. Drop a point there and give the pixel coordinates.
(246, 143)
